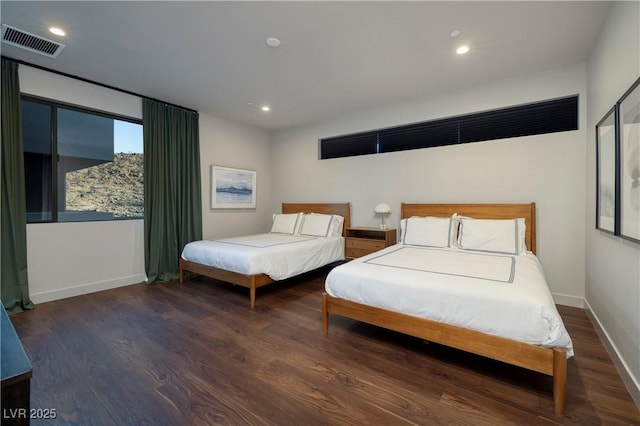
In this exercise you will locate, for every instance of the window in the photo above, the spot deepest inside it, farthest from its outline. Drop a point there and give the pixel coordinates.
(347, 146)
(80, 165)
(557, 115)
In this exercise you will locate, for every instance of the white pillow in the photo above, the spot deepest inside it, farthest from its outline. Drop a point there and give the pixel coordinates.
(427, 231)
(493, 235)
(298, 227)
(337, 225)
(453, 230)
(285, 223)
(403, 226)
(316, 225)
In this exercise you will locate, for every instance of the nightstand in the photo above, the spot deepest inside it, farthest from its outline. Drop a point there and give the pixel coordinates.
(363, 241)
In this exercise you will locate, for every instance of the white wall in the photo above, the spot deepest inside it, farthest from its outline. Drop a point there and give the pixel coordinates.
(228, 144)
(613, 264)
(546, 169)
(69, 259)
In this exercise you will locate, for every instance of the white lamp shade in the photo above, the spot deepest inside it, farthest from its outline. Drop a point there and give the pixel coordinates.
(382, 208)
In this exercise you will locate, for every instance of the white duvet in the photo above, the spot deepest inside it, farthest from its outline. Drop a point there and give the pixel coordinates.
(503, 295)
(279, 256)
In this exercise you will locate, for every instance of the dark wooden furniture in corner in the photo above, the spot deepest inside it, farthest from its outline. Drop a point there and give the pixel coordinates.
(362, 241)
(15, 370)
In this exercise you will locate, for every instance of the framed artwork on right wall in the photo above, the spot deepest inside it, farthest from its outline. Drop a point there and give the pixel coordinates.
(606, 172)
(629, 164)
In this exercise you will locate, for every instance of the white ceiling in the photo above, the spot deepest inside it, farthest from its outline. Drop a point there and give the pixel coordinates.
(335, 57)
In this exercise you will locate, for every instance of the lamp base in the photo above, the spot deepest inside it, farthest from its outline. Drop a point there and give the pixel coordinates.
(383, 226)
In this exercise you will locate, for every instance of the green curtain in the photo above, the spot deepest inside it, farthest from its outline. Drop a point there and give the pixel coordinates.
(172, 197)
(15, 284)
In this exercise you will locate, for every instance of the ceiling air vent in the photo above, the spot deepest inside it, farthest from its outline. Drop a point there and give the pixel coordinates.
(31, 42)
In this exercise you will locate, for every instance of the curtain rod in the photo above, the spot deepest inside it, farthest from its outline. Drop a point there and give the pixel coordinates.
(86, 80)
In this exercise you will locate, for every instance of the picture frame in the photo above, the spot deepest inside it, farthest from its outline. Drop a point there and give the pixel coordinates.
(606, 188)
(628, 194)
(233, 188)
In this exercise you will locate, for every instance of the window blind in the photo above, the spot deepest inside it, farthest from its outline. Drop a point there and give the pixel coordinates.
(556, 115)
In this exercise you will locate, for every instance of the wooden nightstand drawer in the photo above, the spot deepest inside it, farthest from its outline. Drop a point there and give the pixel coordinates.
(352, 253)
(364, 244)
(362, 241)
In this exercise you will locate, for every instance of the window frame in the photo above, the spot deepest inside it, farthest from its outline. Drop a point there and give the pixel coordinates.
(54, 105)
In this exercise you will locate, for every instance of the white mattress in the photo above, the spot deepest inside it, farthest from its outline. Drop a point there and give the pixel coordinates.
(503, 295)
(279, 256)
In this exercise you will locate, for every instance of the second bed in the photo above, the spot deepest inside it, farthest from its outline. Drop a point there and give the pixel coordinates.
(292, 248)
(462, 281)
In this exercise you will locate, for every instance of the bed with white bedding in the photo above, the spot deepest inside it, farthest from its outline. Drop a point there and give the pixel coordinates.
(466, 289)
(280, 256)
(306, 236)
(480, 291)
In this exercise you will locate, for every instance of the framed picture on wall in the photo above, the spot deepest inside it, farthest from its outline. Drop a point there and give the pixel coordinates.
(606, 172)
(629, 170)
(233, 188)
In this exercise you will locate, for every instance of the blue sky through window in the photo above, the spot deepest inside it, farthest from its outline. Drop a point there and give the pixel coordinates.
(127, 137)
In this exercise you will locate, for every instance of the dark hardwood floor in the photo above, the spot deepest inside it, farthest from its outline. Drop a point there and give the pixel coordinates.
(197, 354)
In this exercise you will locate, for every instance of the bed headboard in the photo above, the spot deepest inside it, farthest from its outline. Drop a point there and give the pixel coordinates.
(480, 211)
(343, 209)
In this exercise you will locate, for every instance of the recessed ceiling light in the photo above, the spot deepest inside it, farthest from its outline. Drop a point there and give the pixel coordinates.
(266, 108)
(462, 49)
(57, 31)
(454, 33)
(273, 42)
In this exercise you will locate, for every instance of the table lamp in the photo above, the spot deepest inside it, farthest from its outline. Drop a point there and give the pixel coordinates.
(382, 209)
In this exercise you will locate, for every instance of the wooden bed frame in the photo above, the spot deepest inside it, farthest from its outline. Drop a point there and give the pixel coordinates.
(254, 281)
(549, 361)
